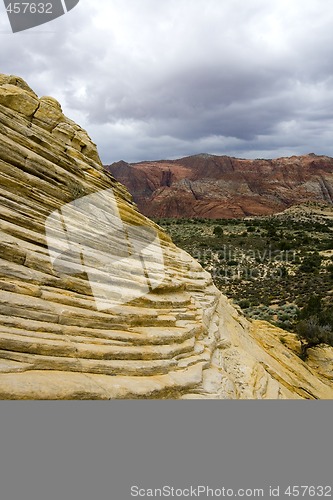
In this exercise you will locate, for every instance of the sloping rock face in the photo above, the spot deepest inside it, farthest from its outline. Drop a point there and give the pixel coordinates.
(223, 187)
(95, 300)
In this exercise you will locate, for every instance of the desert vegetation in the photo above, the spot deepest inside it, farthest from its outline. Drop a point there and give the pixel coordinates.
(275, 268)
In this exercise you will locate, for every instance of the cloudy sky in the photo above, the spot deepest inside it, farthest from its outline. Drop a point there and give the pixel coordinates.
(153, 79)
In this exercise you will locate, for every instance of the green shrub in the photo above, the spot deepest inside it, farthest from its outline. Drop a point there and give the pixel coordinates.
(311, 333)
(312, 308)
(244, 303)
(311, 263)
(218, 231)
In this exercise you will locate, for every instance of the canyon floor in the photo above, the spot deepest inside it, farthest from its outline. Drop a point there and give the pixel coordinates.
(269, 266)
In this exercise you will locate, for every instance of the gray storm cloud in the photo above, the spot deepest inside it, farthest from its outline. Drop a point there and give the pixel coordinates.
(161, 81)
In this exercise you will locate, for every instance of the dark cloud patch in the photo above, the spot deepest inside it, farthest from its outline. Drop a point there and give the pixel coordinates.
(161, 80)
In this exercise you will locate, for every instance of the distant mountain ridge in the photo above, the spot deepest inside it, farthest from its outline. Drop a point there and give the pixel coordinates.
(225, 187)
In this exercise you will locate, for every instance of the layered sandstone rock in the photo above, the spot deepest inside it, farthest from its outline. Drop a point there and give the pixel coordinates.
(95, 300)
(223, 187)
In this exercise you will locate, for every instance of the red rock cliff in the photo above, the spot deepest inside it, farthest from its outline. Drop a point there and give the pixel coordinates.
(221, 186)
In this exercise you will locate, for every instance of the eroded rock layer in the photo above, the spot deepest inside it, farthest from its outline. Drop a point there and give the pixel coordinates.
(73, 326)
(223, 187)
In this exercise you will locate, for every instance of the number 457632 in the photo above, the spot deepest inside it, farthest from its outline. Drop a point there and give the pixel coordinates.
(29, 8)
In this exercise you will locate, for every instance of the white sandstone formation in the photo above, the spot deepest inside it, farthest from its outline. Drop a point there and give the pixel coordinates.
(124, 313)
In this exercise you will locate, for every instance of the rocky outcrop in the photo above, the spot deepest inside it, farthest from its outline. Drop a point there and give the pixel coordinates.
(95, 300)
(223, 187)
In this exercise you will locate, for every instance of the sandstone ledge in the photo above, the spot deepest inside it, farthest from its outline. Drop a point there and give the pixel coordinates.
(181, 340)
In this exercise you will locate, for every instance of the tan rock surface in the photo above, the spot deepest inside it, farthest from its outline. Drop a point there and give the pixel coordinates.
(183, 339)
